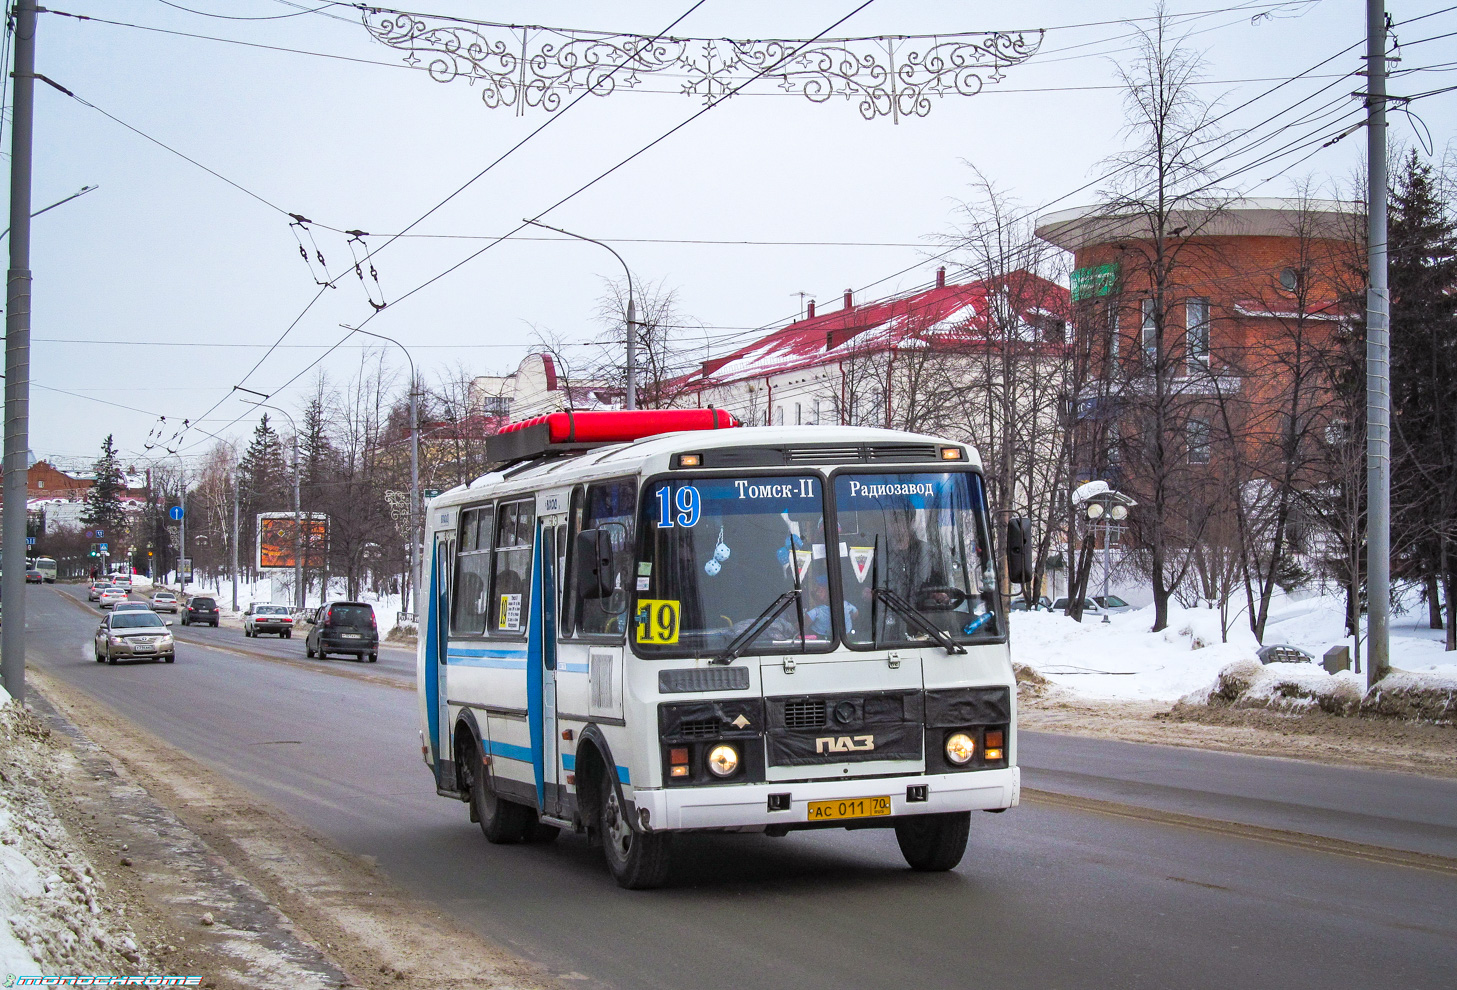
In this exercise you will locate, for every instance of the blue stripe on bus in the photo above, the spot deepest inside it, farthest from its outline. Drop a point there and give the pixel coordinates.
(569, 763)
(498, 652)
(573, 668)
(459, 660)
(509, 751)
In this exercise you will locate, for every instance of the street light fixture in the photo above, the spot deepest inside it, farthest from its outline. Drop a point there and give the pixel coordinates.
(1101, 502)
(631, 311)
(415, 535)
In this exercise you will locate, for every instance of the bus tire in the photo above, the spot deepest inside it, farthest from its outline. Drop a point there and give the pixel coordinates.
(934, 843)
(501, 821)
(637, 860)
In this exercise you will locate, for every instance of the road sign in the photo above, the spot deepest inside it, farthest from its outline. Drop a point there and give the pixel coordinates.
(175, 512)
(101, 547)
(30, 541)
(100, 533)
(431, 492)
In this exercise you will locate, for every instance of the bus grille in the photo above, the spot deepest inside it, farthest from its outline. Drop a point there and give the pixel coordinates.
(701, 728)
(824, 455)
(804, 714)
(903, 452)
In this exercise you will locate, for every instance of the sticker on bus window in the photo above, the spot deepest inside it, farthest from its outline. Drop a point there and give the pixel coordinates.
(860, 558)
(657, 621)
(510, 617)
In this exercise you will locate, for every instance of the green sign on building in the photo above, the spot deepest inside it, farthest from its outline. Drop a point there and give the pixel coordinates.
(1096, 280)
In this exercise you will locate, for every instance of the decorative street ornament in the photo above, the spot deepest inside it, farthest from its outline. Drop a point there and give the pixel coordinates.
(524, 66)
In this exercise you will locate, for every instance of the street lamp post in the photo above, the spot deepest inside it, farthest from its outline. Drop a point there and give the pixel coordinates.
(298, 526)
(415, 536)
(631, 312)
(1100, 502)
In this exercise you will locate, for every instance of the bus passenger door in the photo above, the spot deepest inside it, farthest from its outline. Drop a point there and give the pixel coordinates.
(542, 655)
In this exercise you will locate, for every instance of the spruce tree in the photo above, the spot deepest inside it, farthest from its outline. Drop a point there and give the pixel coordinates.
(1422, 243)
(104, 510)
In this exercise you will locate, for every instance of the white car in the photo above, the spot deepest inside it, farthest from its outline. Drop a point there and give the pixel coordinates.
(110, 596)
(131, 606)
(272, 619)
(164, 601)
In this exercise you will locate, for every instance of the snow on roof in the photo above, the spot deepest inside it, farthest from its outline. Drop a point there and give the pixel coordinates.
(943, 316)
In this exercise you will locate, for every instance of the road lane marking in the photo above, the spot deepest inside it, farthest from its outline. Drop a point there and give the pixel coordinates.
(1260, 833)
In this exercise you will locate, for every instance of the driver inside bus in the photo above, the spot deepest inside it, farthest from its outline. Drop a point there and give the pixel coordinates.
(817, 608)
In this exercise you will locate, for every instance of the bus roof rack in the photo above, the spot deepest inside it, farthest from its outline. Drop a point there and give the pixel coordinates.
(569, 432)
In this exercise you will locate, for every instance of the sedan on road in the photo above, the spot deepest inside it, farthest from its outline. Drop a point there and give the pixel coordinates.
(110, 596)
(34, 576)
(134, 635)
(164, 601)
(94, 591)
(271, 619)
(130, 606)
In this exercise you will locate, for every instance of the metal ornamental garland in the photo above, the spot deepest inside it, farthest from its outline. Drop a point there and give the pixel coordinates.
(535, 67)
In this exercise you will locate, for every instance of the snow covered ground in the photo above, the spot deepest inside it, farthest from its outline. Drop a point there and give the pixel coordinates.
(1122, 660)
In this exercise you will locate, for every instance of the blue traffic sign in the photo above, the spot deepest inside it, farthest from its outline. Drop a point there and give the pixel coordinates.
(101, 547)
(175, 512)
(30, 541)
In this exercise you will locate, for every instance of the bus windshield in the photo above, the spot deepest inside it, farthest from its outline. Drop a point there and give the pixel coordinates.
(915, 556)
(721, 554)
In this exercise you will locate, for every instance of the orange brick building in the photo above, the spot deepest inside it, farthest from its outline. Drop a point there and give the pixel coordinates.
(1236, 308)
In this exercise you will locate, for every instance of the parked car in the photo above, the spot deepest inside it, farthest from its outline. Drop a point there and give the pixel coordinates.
(1019, 604)
(344, 627)
(131, 606)
(34, 576)
(132, 635)
(1113, 604)
(272, 619)
(164, 601)
(1090, 607)
(110, 595)
(93, 592)
(1283, 653)
(201, 611)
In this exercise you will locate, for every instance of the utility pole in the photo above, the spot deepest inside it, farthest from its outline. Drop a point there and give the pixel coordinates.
(17, 357)
(1378, 358)
(182, 539)
(235, 538)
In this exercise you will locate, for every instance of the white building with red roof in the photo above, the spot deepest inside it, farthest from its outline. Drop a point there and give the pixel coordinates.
(877, 363)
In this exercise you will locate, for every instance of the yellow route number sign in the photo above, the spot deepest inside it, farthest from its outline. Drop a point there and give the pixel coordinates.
(657, 620)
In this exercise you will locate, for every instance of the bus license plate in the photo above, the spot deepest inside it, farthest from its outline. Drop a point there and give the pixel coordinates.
(870, 807)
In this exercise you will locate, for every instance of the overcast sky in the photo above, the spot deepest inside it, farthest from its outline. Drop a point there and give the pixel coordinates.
(162, 288)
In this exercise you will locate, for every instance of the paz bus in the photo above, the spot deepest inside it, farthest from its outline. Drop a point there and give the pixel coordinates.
(642, 623)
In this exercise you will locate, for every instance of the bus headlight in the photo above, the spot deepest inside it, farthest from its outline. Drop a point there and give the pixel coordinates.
(960, 748)
(723, 760)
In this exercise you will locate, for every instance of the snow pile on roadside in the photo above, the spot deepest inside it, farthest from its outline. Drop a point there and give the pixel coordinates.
(1290, 687)
(54, 906)
(1423, 696)
(1121, 659)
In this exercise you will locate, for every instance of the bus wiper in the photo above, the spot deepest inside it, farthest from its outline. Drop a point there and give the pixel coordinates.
(919, 620)
(756, 628)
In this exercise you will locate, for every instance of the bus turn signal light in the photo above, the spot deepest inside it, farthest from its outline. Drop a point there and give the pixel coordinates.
(690, 460)
(679, 759)
(994, 738)
(951, 454)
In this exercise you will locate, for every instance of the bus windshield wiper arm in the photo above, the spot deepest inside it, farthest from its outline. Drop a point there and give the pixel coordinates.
(917, 618)
(756, 628)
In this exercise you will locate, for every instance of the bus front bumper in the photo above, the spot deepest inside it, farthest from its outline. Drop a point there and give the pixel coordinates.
(747, 805)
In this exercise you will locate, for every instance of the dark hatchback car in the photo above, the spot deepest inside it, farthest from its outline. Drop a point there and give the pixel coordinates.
(200, 611)
(343, 627)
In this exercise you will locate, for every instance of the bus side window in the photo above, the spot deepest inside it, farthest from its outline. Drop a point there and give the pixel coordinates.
(511, 597)
(472, 571)
(569, 617)
(610, 508)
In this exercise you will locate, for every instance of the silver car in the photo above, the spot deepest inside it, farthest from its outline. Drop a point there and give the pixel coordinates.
(272, 619)
(110, 596)
(164, 601)
(134, 635)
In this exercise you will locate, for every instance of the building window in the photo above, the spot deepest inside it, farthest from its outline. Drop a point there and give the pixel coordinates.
(1150, 331)
(823, 412)
(496, 405)
(798, 414)
(779, 416)
(1198, 435)
(1196, 337)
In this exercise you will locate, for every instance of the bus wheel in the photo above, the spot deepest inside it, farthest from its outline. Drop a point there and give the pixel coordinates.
(638, 860)
(501, 821)
(934, 843)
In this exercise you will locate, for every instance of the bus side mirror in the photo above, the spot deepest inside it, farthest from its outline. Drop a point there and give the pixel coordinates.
(594, 564)
(1019, 550)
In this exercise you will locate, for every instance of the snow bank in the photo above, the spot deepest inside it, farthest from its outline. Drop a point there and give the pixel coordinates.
(1422, 696)
(1121, 659)
(52, 900)
(1292, 687)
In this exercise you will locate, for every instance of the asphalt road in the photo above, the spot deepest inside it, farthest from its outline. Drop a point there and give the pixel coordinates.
(1047, 896)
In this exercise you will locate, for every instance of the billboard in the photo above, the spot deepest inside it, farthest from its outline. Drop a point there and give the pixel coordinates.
(275, 540)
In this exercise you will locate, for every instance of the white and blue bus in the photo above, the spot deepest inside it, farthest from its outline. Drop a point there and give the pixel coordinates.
(645, 623)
